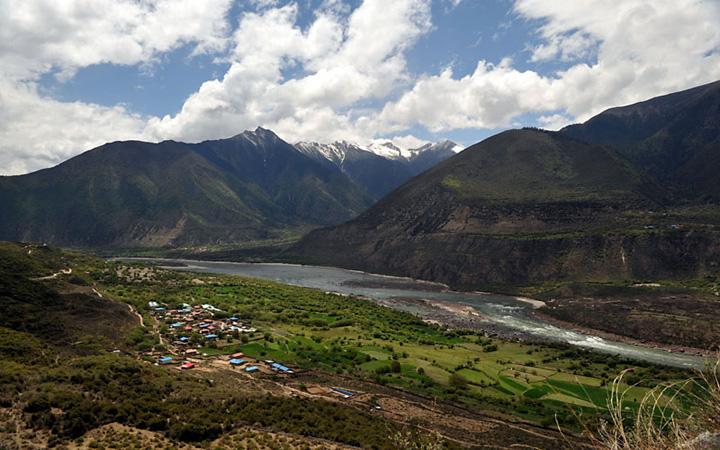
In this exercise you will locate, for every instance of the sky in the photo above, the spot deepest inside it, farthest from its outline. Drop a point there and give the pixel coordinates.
(75, 74)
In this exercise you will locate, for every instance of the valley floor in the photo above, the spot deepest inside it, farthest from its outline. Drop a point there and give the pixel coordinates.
(356, 374)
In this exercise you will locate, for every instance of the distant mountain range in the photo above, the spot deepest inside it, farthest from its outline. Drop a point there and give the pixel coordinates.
(378, 168)
(631, 193)
(249, 187)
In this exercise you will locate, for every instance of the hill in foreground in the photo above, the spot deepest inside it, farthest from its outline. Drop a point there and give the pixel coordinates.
(529, 206)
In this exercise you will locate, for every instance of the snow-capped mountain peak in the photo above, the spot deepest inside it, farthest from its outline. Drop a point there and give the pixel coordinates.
(336, 152)
(388, 150)
(381, 165)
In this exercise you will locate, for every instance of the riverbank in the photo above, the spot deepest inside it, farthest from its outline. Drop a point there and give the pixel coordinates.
(624, 339)
(453, 316)
(535, 303)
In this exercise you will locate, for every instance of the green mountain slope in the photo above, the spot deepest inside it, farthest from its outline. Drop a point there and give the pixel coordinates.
(529, 206)
(252, 186)
(45, 294)
(520, 181)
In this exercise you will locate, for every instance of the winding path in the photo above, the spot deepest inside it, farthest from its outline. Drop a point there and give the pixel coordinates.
(142, 322)
(55, 275)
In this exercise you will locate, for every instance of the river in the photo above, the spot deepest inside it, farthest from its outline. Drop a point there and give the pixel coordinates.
(506, 312)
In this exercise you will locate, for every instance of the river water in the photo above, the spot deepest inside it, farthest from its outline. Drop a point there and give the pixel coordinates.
(506, 312)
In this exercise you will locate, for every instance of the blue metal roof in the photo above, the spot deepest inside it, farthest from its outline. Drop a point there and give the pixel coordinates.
(280, 367)
(250, 369)
(342, 391)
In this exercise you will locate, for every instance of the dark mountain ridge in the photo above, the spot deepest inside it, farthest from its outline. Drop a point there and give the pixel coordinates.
(626, 126)
(674, 138)
(529, 206)
(251, 186)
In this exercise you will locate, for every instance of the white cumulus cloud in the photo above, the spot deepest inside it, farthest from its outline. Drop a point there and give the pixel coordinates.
(39, 37)
(304, 83)
(639, 49)
(340, 71)
(37, 132)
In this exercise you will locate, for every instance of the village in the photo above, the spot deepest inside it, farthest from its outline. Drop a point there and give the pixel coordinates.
(194, 327)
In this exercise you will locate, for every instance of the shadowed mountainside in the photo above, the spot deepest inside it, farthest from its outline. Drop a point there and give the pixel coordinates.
(251, 186)
(675, 138)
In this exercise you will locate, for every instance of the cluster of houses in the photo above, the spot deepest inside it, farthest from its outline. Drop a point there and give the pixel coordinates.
(185, 322)
(236, 361)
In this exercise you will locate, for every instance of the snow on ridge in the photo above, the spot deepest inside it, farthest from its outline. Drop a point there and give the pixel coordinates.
(385, 148)
(335, 151)
(388, 150)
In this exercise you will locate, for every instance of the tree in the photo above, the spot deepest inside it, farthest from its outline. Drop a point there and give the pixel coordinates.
(458, 381)
(395, 367)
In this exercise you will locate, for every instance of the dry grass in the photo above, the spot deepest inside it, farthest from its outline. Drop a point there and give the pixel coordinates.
(662, 420)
